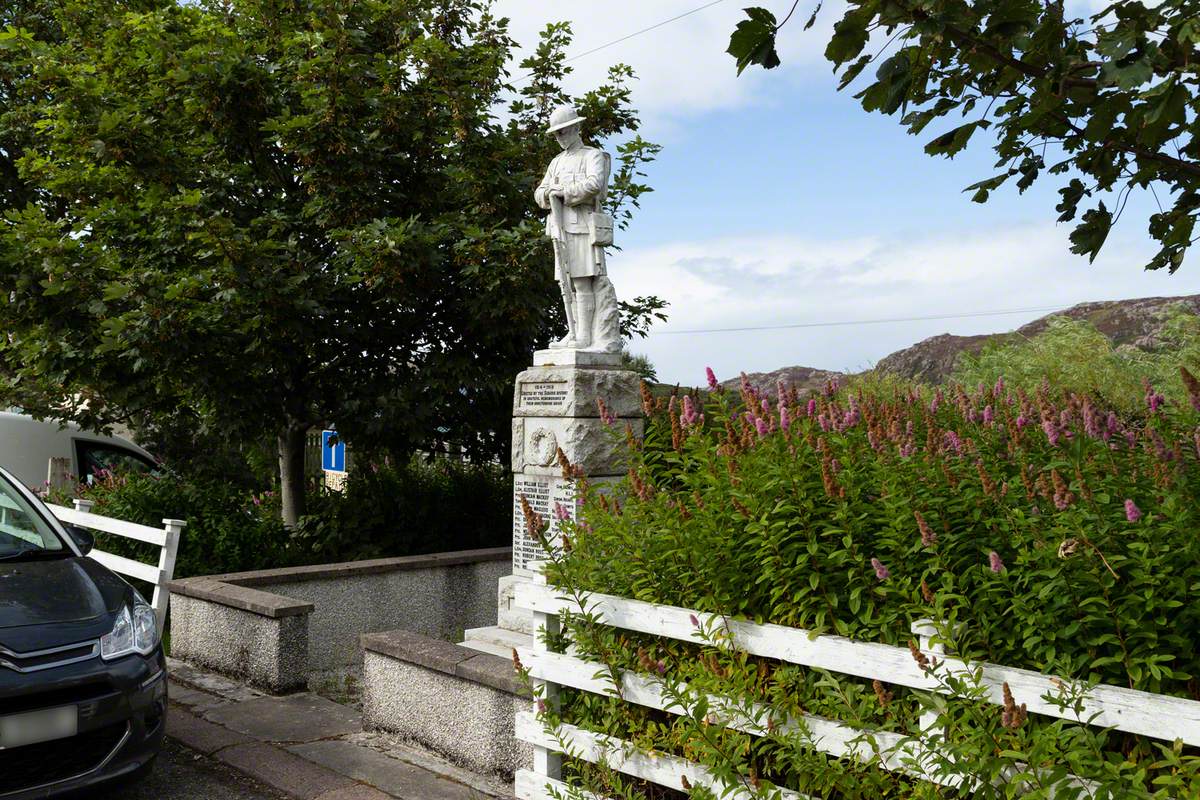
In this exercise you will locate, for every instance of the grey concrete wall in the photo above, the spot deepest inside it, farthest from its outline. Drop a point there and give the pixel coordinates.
(276, 628)
(440, 602)
(268, 652)
(469, 722)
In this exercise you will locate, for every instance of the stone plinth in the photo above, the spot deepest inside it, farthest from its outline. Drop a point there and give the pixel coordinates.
(555, 407)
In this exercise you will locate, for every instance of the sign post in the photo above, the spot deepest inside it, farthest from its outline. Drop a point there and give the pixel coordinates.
(333, 460)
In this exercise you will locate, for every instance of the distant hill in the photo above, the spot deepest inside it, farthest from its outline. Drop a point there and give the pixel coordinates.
(1135, 323)
(802, 379)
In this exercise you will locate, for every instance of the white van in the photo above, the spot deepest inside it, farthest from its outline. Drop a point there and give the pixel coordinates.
(27, 445)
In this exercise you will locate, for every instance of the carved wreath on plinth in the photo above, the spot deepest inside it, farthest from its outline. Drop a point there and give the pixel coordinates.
(543, 447)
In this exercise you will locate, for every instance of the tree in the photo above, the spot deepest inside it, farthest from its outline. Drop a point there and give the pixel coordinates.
(277, 214)
(1108, 102)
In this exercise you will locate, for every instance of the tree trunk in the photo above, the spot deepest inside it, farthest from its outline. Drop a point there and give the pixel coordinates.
(291, 474)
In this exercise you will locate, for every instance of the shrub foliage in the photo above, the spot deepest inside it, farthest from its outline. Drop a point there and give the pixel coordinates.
(1043, 529)
(385, 511)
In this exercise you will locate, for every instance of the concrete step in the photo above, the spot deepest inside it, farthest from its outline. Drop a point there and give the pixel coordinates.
(495, 640)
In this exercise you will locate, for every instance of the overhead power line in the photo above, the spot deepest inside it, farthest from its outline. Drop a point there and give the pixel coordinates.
(629, 36)
(839, 323)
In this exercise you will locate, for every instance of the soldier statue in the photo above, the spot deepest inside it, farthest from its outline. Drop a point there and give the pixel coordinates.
(573, 191)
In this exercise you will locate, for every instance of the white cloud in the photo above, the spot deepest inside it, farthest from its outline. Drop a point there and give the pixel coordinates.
(682, 67)
(785, 279)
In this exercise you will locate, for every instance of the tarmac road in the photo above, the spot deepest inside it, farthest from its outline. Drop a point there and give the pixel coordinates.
(183, 774)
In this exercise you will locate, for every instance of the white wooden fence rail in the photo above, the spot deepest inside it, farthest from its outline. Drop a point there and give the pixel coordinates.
(165, 538)
(1142, 713)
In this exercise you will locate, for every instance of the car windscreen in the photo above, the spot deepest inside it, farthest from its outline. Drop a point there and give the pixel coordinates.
(21, 528)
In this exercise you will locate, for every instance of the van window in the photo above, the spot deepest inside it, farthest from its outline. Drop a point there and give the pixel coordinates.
(98, 457)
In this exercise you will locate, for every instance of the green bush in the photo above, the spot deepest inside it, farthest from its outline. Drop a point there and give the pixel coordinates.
(417, 507)
(228, 529)
(1044, 531)
(384, 512)
(1072, 355)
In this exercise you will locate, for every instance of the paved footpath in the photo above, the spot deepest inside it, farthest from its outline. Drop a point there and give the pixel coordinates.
(183, 774)
(304, 747)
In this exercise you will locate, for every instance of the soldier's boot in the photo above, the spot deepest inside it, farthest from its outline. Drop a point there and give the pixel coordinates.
(585, 312)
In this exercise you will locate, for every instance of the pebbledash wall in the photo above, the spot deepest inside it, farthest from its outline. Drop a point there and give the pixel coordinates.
(277, 628)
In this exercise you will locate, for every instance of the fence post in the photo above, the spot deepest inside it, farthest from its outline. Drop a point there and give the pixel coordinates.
(58, 473)
(166, 569)
(84, 506)
(547, 763)
(925, 630)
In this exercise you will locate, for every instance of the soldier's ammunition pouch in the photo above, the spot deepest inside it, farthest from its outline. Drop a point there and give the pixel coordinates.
(600, 228)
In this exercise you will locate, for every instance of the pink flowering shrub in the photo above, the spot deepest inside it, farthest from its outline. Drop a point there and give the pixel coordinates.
(1051, 532)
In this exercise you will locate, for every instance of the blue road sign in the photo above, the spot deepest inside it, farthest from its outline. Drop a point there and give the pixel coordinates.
(333, 452)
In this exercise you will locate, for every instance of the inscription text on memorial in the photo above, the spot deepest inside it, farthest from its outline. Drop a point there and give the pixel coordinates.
(545, 395)
(542, 494)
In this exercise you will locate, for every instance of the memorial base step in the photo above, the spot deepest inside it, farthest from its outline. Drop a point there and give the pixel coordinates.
(495, 640)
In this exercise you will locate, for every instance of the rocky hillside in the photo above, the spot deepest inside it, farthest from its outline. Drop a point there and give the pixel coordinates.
(1137, 323)
(803, 379)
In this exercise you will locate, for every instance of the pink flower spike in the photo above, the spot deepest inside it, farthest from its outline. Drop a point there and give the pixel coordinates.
(761, 426)
(712, 379)
(784, 421)
(988, 415)
(1132, 512)
(689, 417)
(695, 620)
(811, 409)
(994, 562)
(561, 513)
(881, 572)
(1051, 431)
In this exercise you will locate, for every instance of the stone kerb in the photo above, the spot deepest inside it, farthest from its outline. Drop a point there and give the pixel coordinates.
(458, 702)
(257, 637)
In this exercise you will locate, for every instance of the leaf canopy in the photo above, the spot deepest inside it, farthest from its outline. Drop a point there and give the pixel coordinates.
(1110, 101)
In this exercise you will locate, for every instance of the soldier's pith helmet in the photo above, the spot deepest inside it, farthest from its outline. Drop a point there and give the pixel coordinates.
(563, 117)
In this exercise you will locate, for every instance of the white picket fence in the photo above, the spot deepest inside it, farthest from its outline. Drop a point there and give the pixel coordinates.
(1142, 713)
(165, 538)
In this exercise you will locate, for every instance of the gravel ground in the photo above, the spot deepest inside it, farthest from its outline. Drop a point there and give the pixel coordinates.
(182, 774)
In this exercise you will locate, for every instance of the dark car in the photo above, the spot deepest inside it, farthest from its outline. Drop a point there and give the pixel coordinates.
(83, 679)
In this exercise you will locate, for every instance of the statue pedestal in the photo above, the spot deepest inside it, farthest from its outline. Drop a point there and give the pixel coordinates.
(555, 407)
(575, 358)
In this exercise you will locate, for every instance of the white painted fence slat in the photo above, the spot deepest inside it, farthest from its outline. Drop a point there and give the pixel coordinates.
(828, 736)
(531, 786)
(128, 567)
(167, 539)
(119, 527)
(624, 756)
(794, 645)
(1143, 713)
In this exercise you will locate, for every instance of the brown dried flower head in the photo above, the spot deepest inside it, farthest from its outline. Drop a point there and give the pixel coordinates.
(534, 524)
(881, 694)
(1013, 716)
(921, 659)
(928, 537)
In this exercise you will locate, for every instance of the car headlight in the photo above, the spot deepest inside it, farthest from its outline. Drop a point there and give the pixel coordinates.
(135, 631)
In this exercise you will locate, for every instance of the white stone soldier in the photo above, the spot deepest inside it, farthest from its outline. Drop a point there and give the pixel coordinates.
(573, 191)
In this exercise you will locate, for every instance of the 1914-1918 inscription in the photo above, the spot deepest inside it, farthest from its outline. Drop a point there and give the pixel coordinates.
(542, 494)
(549, 394)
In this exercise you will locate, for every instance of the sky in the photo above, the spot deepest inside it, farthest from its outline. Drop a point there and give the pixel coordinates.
(778, 201)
